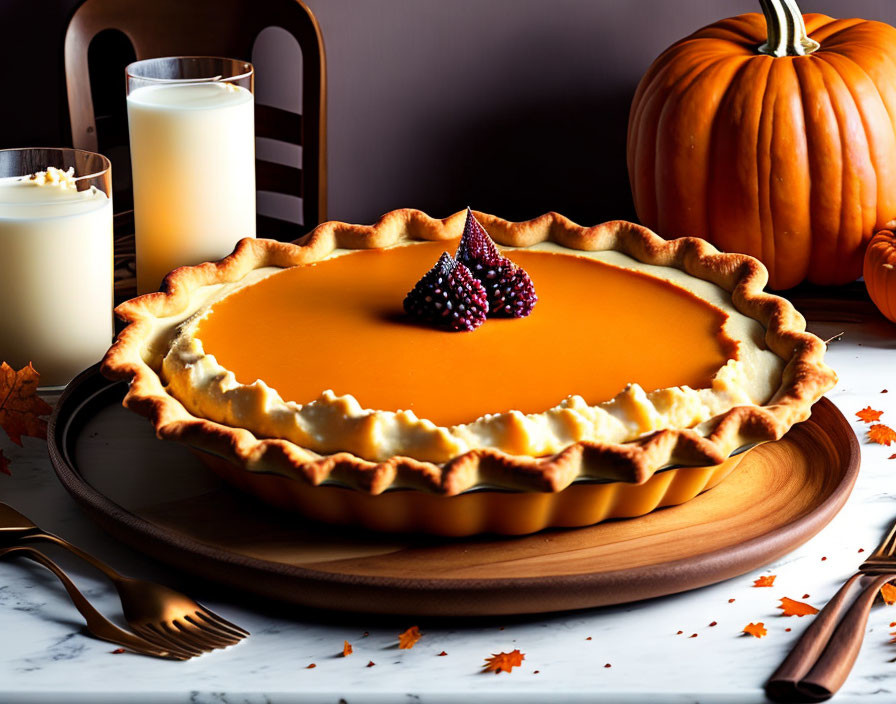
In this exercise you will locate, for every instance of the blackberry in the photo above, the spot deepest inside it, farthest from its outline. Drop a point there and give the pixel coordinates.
(510, 291)
(449, 296)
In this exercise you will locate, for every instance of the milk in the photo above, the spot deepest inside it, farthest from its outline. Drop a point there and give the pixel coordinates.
(193, 164)
(55, 277)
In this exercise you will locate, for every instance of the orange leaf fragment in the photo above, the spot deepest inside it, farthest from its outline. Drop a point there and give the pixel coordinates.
(409, 638)
(882, 434)
(888, 592)
(311, 666)
(869, 415)
(503, 662)
(756, 629)
(20, 406)
(346, 649)
(765, 581)
(796, 608)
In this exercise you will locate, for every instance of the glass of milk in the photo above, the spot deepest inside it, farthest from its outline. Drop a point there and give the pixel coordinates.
(56, 261)
(192, 134)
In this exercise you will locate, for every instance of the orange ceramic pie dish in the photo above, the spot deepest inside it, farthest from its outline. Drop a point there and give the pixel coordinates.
(641, 371)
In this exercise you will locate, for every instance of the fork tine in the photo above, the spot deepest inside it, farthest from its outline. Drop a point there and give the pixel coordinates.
(152, 631)
(192, 636)
(223, 623)
(198, 624)
(203, 621)
(154, 637)
(213, 638)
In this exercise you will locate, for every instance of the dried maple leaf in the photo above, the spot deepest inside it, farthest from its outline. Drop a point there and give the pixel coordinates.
(869, 415)
(796, 608)
(409, 638)
(346, 649)
(503, 662)
(881, 434)
(20, 406)
(765, 581)
(888, 592)
(756, 629)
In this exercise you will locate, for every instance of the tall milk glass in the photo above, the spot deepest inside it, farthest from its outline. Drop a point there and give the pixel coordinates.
(192, 135)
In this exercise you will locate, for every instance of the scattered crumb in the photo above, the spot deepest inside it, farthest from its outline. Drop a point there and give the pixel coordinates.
(588, 638)
(442, 654)
(535, 672)
(608, 665)
(346, 649)
(861, 549)
(311, 666)
(118, 651)
(805, 596)
(371, 663)
(884, 391)
(679, 633)
(731, 601)
(365, 634)
(823, 559)
(713, 623)
(787, 630)
(693, 635)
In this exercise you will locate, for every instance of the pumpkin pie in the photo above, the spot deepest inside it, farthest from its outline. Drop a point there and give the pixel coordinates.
(643, 370)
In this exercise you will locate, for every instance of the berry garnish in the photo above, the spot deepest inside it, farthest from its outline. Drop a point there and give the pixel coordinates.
(476, 248)
(449, 296)
(510, 291)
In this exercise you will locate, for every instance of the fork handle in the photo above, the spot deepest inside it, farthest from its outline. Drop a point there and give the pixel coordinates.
(784, 684)
(75, 550)
(835, 663)
(97, 624)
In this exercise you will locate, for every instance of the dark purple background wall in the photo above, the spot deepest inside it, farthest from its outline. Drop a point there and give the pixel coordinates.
(512, 106)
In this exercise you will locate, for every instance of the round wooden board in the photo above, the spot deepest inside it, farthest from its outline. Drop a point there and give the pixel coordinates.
(160, 499)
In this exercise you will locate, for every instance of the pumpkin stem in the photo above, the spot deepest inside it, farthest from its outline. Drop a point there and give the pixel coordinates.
(786, 30)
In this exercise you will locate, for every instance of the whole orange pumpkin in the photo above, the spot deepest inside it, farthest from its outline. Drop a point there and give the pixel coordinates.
(880, 272)
(774, 136)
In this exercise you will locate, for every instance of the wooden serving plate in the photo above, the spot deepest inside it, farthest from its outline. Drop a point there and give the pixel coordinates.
(161, 500)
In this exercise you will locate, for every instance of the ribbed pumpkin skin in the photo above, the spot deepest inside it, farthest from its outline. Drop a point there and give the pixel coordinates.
(790, 159)
(880, 272)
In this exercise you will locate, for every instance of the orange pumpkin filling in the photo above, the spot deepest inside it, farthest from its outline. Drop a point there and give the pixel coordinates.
(338, 324)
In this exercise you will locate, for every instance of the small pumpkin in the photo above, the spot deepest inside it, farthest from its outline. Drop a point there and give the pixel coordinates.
(773, 136)
(880, 272)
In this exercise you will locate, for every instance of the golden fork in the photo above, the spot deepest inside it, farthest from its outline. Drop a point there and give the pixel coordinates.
(161, 615)
(97, 624)
(824, 655)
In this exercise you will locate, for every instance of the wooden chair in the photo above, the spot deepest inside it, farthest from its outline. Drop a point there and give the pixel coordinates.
(216, 28)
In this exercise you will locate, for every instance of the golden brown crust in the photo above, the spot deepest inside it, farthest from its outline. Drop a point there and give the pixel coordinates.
(805, 377)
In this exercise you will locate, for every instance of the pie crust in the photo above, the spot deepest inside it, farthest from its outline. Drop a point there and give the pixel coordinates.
(153, 321)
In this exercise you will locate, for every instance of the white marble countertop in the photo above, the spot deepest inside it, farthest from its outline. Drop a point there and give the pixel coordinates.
(46, 657)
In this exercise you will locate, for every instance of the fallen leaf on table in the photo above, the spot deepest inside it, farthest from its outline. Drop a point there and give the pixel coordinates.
(881, 434)
(755, 629)
(21, 409)
(20, 406)
(409, 638)
(888, 592)
(765, 581)
(869, 415)
(796, 608)
(503, 662)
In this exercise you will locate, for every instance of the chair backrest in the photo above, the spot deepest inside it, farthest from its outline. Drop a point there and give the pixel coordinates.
(217, 28)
